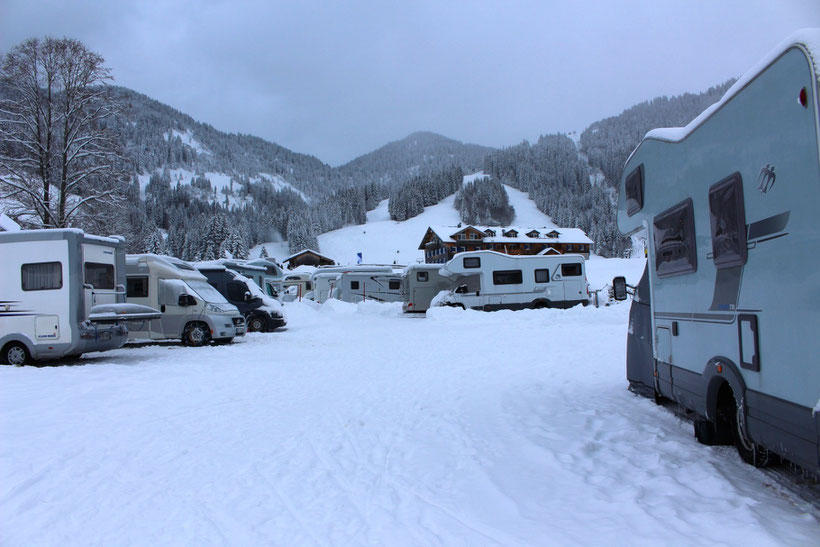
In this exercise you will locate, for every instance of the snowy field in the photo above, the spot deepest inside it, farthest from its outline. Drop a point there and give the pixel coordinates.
(357, 425)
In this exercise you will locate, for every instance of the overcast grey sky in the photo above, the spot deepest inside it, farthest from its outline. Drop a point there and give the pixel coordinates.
(340, 79)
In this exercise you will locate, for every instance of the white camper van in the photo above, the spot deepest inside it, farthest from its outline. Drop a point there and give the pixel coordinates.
(192, 310)
(62, 294)
(272, 281)
(420, 283)
(358, 286)
(488, 280)
(326, 278)
(729, 205)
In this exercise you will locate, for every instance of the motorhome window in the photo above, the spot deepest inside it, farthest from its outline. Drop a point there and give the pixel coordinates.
(354, 285)
(421, 276)
(42, 276)
(507, 277)
(674, 234)
(183, 266)
(472, 262)
(634, 191)
(99, 276)
(170, 290)
(236, 291)
(136, 287)
(394, 285)
(728, 221)
(570, 270)
(542, 276)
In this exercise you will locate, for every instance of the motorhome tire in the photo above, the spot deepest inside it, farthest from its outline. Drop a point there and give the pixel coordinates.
(256, 323)
(195, 335)
(540, 304)
(15, 354)
(749, 451)
(223, 341)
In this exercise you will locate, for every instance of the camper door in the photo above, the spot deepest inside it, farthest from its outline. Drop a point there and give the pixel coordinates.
(99, 277)
(571, 276)
(174, 316)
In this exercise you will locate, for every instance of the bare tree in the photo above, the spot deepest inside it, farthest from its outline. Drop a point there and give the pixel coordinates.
(60, 161)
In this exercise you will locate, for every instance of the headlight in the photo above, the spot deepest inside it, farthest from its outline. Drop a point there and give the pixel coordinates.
(213, 308)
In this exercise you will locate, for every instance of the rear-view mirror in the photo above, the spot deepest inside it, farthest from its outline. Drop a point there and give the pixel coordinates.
(619, 288)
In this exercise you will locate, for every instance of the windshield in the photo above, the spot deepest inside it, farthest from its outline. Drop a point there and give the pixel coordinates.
(206, 292)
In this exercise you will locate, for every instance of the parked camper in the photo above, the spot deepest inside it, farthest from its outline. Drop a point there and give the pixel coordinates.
(272, 282)
(262, 313)
(252, 271)
(295, 286)
(487, 280)
(358, 286)
(325, 279)
(192, 311)
(420, 283)
(729, 204)
(62, 294)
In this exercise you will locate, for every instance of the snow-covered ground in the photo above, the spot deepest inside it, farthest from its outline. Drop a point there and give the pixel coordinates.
(356, 425)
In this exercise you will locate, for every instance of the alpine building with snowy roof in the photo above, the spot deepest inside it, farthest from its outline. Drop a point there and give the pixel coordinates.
(307, 257)
(441, 243)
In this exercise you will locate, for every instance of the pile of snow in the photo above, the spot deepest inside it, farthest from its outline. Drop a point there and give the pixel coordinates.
(357, 425)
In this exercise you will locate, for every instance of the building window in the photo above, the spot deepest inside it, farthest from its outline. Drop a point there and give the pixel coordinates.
(137, 287)
(42, 276)
(570, 270)
(421, 276)
(507, 277)
(569, 246)
(634, 191)
(727, 217)
(674, 235)
(514, 246)
(542, 276)
(462, 237)
(99, 276)
(526, 246)
(472, 262)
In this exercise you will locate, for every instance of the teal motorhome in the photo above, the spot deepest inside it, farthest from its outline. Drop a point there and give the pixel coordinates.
(730, 206)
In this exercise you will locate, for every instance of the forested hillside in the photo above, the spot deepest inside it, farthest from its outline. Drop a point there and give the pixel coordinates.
(608, 143)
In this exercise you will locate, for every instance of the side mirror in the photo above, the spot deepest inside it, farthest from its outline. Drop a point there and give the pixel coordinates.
(247, 296)
(619, 288)
(186, 300)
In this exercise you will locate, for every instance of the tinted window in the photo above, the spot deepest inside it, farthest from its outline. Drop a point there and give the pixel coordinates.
(472, 262)
(136, 287)
(99, 276)
(394, 285)
(674, 233)
(236, 291)
(728, 220)
(507, 277)
(354, 285)
(634, 191)
(42, 276)
(421, 276)
(570, 270)
(542, 276)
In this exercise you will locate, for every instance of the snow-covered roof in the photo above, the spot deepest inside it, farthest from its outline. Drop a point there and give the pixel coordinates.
(8, 225)
(305, 251)
(807, 38)
(562, 235)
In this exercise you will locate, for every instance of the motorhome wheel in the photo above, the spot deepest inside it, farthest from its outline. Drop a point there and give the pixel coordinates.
(196, 334)
(15, 354)
(750, 452)
(256, 323)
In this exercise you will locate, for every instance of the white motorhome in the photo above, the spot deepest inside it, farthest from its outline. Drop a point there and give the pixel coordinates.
(420, 283)
(295, 286)
(272, 281)
(358, 286)
(325, 279)
(729, 306)
(192, 310)
(62, 294)
(488, 280)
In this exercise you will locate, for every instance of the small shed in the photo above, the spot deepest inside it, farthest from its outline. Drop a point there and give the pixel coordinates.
(307, 257)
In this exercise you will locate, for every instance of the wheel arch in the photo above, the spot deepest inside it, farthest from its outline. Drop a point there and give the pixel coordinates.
(18, 337)
(720, 371)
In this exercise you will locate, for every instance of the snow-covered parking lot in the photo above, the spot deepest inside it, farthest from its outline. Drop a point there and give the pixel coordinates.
(357, 425)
